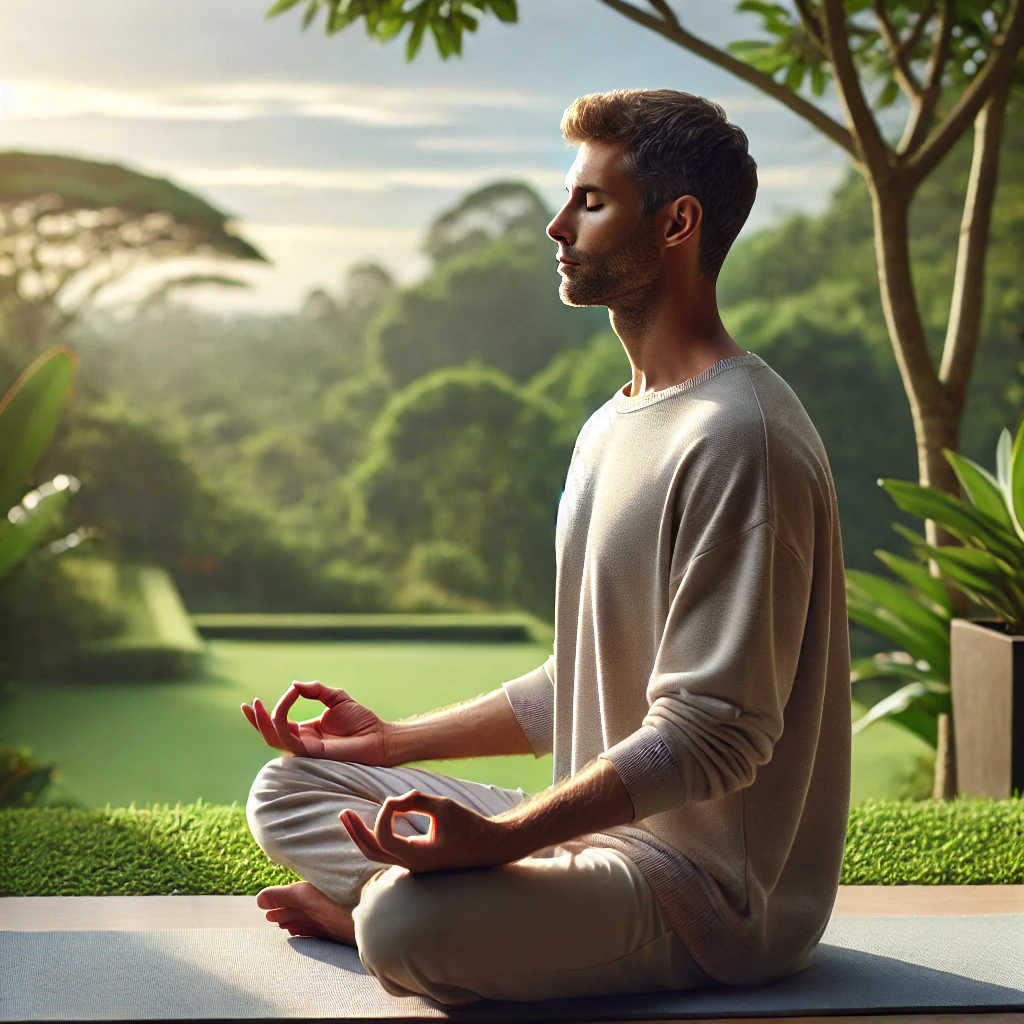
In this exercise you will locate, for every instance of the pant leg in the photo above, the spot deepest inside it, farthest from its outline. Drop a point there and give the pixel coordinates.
(580, 922)
(293, 809)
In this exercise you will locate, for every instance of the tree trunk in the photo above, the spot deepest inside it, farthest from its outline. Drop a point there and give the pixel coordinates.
(935, 417)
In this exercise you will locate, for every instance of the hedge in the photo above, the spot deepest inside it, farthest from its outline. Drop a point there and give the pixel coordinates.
(202, 849)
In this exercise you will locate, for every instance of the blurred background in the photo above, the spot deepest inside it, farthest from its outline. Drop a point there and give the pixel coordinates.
(322, 366)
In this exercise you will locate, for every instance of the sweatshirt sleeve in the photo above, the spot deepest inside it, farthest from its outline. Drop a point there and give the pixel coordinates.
(532, 697)
(723, 673)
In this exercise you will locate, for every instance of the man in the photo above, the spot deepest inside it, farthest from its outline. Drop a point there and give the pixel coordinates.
(697, 698)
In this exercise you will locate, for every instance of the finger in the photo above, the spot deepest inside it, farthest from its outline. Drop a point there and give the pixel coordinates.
(250, 716)
(279, 718)
(265, 725)
(413, 802)
(316, 690)
(365, 839)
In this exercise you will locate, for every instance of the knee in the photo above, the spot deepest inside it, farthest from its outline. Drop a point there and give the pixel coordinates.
(275, 778)
(398, 933)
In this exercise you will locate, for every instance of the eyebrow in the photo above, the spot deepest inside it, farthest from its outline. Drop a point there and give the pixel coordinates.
(586, 188)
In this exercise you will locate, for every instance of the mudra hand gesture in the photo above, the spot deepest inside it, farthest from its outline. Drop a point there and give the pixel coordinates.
(346, 731)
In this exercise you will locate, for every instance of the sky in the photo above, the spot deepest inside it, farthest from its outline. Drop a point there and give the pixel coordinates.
(331, 150)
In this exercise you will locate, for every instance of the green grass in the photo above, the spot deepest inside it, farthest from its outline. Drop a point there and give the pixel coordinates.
(207, 850)
(148, 742)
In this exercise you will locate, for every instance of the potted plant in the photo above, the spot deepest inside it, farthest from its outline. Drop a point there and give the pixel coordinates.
(986, 655)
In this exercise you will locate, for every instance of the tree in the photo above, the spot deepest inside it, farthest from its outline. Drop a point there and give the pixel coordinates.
(954, 63)
(466, 456)
(70, 228)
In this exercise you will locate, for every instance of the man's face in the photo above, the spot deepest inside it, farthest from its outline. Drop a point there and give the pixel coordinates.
(606, 247)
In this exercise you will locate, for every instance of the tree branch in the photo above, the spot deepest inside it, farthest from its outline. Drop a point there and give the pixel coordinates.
(963, 331)
(662, 7)
(874, 153)
(811, 25)
(677, 34)
(923, 109)
(948, 131)
(910, 43)
(902, 71)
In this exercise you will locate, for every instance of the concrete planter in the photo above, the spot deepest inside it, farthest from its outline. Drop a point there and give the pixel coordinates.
(987, 681)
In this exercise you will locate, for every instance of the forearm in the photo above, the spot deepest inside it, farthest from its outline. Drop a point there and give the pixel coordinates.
(593, 800)
(483, 727)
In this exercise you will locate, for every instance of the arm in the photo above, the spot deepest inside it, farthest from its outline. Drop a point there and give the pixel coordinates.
(516, 721)
(483, 727)
(590, 801)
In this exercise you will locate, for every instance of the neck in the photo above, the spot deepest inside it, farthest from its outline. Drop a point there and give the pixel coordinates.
(671, 333)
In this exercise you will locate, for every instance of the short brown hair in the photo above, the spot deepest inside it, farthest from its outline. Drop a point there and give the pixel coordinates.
(677, 144)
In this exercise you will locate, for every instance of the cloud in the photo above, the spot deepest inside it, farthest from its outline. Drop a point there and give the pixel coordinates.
(36, 100)
(363, 179)
(800, 176)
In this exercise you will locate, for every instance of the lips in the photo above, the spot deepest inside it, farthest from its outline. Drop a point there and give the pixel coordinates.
(566, 263)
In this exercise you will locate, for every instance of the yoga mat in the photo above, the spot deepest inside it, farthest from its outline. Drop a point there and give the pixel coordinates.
(884, 964)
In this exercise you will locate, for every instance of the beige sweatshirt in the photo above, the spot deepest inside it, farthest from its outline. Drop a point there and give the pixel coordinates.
(702, 646)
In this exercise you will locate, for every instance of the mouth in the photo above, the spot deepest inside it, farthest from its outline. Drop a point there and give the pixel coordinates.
(562, 263)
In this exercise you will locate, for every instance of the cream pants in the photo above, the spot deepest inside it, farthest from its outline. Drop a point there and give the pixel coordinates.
(569, 921)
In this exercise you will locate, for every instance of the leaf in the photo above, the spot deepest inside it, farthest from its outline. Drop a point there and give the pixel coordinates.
(897, 702)
(818, 79)
(920, 578)
(876, 667)
(281, 6)
(980, 486)
(19, 539)
(419, 26)
(920, 646)
(505, 10)
(961, 519)
(898, 601)
(1015, 482)
(1003, 460)
(888, 96)
(795, 75)
(29, 413)
(982, 577)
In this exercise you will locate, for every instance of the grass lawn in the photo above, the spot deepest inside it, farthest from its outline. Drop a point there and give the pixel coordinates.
(170, 742)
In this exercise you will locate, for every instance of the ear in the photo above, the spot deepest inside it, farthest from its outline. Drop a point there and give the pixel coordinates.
(681, 221)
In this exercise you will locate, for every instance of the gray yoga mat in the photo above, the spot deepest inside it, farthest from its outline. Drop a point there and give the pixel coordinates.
(863, 965)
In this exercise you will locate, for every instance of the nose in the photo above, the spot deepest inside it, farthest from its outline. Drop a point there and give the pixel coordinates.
(560, 230)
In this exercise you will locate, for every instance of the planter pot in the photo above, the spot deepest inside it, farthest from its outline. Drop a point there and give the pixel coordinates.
(987, 682)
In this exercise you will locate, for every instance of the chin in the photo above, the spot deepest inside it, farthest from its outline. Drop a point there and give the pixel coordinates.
(571, 296)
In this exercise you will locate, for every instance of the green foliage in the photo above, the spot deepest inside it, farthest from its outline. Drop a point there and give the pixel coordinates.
(201, 849)
(464, 455)
(22, 779)
(497, 303)
(447, 20)
(510, 210)
(28, 418)
(989, 566)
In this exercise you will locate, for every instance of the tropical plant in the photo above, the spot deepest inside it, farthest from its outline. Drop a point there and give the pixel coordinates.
(987, 567)
(70, 228)
(952, 64)
(22, 779)
(28, 418)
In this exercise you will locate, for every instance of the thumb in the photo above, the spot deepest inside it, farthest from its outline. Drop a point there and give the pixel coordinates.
(315, 690)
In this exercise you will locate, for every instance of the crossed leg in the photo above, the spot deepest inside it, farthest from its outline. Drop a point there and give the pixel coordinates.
(569, 921)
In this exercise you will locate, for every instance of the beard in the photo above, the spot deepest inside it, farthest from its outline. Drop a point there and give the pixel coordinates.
(624, 276)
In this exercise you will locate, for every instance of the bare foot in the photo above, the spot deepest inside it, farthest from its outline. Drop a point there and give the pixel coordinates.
(303, 909)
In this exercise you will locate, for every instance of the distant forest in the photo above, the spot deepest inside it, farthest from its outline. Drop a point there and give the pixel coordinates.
(395, 447)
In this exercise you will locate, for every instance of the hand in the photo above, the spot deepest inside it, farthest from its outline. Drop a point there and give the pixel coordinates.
(346, 731)
(458, 837)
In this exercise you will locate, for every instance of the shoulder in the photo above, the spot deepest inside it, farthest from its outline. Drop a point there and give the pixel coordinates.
(751, 455)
